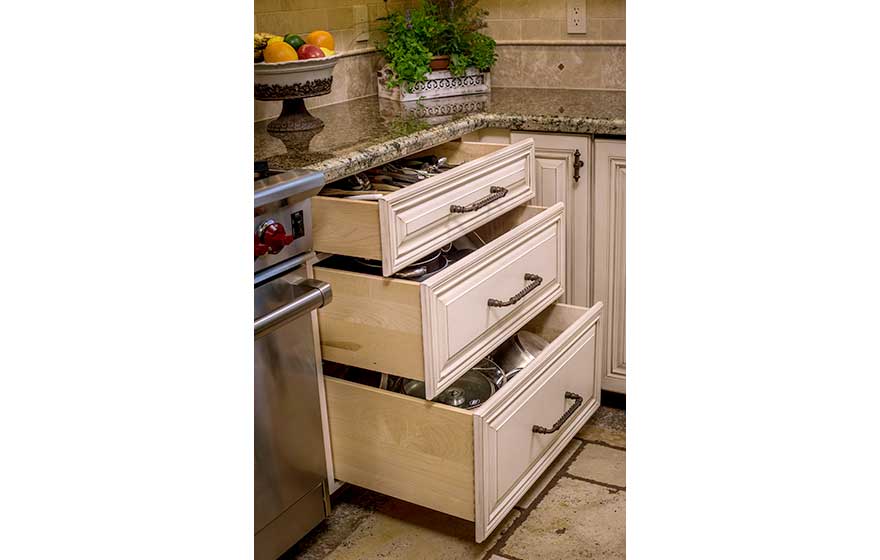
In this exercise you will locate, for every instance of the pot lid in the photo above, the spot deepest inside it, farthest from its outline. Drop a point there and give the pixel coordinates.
(531, 343)
(468, 391)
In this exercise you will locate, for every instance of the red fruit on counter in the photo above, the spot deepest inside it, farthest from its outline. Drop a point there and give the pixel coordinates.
(309, 51)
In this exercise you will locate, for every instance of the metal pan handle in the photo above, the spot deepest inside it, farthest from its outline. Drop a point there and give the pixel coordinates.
(311, 294)
(578, 401)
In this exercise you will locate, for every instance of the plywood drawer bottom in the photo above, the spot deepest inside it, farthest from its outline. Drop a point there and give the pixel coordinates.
(473, 464)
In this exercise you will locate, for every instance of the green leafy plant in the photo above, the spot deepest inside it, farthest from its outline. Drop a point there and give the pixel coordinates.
(435, 27)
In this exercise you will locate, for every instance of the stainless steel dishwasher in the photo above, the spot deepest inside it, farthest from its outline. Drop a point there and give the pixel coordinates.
(290, 471)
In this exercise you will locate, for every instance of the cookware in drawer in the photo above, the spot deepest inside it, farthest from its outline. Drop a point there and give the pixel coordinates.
(473, 464)
(406, 224)
(437, 329)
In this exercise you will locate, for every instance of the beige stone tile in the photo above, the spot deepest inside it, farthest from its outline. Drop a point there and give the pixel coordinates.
(606, 8)
(575, 519)
(493, 7)
(306, 4)
(399, 530)
(541, 66)
(548, 475)
(340, 18)
(613, 68)
(594, 432)
(614, 29)
(306, 21)
(507, 71)
(504, 29)
(264, 6)
(274, 22)
(543, 29)
(551, 9)
(519, 9)
(600, 463)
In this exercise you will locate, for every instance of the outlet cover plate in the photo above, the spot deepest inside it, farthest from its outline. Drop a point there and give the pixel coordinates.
(576, 16)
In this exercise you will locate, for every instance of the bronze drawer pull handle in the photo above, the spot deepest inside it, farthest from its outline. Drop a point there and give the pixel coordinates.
(497, 193)
(535, 282)
(578, 401)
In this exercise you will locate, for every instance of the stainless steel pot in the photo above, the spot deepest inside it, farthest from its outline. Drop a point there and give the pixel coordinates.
(433, 263)
(518, 351)
(468, 391)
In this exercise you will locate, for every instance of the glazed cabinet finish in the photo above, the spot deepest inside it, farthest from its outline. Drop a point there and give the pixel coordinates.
(409, 223)
(437, 329)
(609, 258)
(559, 158)
(473, 464)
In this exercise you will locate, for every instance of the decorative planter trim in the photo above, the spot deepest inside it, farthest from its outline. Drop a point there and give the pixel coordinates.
(439, 84)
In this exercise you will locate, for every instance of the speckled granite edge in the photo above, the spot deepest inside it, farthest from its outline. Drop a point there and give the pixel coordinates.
(360, 160)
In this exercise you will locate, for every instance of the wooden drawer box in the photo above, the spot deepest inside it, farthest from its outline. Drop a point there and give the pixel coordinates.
(437, 329)
(473, 464)
(407, 224)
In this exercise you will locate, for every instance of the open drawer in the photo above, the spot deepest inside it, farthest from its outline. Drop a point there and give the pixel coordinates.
(407, 224)
(473, 464)
(437, 329)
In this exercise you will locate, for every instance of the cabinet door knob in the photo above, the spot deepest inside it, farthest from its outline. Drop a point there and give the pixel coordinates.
(577, 165)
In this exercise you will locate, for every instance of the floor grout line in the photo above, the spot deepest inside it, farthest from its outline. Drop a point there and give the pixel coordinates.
(596, 482)
(496, 549)
(602, 443)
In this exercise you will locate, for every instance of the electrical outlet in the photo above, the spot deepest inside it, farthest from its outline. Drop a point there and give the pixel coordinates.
(576, 16)
(361, 26)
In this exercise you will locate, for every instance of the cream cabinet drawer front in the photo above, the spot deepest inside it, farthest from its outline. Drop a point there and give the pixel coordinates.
(436, 211)
(437, 329)
(521, 273)
(558, 392)
(473, 464)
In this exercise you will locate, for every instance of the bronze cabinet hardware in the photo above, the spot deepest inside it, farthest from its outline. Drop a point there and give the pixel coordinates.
(534, 280)
(577, 165)
(578, 401)
(497, 193)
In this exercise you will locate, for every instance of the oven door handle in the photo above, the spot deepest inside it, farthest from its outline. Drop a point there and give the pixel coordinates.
(311, 294)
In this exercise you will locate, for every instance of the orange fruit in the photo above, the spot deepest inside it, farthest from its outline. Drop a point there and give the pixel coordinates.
(279, 52)
(320, 39)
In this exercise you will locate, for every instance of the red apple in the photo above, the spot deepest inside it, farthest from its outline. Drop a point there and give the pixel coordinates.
(309, 51)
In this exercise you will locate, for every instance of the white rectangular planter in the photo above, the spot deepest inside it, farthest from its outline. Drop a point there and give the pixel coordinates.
(439, 84)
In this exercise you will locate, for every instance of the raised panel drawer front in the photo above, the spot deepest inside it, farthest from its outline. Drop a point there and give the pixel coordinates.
(460, 327)
(473, 464)
(437, 329)
(407, 224)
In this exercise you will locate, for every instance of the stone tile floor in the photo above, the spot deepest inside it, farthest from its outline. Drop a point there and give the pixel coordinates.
(577, 509)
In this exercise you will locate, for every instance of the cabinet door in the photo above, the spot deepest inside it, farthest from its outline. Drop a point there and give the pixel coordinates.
(555, 158)
(609, 258)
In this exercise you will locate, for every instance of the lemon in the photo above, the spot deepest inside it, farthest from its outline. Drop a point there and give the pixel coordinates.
(275, 39)
(327, 52)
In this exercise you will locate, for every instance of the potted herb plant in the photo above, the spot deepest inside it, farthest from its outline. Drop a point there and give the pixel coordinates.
(421, 42)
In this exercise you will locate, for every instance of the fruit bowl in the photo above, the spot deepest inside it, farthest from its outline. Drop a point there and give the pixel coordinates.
(292, 82)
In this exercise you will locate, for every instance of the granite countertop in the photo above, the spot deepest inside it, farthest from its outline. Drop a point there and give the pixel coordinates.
(366, 132)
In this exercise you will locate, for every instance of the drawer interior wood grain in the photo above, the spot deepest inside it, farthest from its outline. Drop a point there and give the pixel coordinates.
(435, 330)
(453, 460)
(405, 225)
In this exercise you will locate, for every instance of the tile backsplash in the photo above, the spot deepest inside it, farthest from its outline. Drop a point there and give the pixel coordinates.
(559, 61)
(524, 20)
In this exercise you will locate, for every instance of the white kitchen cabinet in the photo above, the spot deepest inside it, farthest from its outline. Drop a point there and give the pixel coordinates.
(609, 258)
(562, 165)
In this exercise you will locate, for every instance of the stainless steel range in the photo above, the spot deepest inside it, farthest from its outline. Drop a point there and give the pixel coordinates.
(290, 471)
